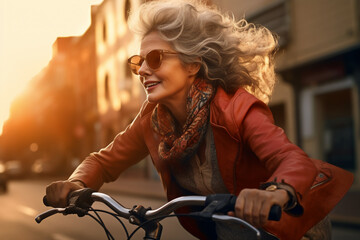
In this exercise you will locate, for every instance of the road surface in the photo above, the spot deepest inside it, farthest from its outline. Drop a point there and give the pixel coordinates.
(23, 202)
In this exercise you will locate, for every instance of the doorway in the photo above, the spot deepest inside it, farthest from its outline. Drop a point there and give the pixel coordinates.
(336, 128)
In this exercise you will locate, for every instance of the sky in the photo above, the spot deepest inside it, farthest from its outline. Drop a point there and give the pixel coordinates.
(28, 28)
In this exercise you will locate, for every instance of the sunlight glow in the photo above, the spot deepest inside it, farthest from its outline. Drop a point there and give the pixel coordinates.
(27, 31)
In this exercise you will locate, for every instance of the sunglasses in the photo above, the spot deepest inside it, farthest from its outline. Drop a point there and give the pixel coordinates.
(153, 60)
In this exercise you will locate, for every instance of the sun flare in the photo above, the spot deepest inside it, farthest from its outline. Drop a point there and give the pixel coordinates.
(27, 31)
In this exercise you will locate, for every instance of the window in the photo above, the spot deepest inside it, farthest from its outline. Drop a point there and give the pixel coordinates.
(127, 9)
(107, 88)
(104, 31)
(276, 18)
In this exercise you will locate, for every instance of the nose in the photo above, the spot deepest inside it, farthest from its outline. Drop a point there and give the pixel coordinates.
(144, 69)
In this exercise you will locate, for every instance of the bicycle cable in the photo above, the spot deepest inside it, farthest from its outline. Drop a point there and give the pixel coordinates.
(116, 216)
(162, 217)
(102, 224)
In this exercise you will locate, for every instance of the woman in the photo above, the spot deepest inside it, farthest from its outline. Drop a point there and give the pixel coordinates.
(207, 127)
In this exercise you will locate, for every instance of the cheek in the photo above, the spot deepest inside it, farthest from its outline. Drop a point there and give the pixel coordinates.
(175, 69)
(175, 74)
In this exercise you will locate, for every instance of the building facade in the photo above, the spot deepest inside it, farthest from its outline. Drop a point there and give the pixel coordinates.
(120, 94)
(316, 99)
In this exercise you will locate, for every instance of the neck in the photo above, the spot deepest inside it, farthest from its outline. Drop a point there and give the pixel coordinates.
(179, 113)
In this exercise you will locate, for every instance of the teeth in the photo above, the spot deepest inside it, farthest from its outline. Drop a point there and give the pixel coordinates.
(151, 84)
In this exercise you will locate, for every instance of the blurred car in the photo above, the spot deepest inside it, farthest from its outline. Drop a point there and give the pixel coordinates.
(42, 167)
(14, 169)
(3, 178)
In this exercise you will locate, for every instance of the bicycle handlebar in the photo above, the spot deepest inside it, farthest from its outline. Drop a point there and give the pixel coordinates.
(216, 207)
(85, 197)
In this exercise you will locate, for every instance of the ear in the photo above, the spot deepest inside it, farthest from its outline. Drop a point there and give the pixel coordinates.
(193, 68)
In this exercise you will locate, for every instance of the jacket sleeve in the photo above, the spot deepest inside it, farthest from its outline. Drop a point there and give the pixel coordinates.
(126, 149)
(286, 162)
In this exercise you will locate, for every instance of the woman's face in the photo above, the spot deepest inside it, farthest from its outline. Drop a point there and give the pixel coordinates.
(169, 84)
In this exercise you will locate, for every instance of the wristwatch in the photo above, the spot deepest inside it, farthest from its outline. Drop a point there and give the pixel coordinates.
(271, 187)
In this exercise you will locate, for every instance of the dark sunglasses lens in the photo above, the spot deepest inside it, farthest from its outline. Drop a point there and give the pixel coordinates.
(135, 63)
(153, 59)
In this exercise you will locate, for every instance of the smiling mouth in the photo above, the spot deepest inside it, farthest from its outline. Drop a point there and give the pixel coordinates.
(150, 85)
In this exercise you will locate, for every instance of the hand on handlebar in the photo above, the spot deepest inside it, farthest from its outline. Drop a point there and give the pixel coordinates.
(57, 192)
(253, 205)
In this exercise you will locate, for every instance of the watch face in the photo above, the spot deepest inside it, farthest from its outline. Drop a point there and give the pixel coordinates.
(271, 188)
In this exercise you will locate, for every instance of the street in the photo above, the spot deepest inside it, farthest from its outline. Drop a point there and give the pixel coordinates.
(23, 202)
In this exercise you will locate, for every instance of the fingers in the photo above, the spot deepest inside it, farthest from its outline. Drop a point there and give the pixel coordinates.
(249, 206)
(57, 192)
(253, 205)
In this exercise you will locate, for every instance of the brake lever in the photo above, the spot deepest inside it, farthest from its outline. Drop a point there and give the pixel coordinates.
(48, 213)
(79, 203)
(71, 209)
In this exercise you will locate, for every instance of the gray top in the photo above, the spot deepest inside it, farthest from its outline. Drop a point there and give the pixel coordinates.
(202, 178)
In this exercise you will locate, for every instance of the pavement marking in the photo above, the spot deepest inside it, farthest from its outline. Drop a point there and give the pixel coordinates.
(27, 210)
(59, 236)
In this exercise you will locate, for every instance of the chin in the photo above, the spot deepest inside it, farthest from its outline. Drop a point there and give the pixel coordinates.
(152, 99)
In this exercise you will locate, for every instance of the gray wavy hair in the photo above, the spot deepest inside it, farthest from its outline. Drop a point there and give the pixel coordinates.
(232, 53)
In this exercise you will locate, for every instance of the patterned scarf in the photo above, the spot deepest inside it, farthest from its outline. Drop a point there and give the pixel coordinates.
(178, 149)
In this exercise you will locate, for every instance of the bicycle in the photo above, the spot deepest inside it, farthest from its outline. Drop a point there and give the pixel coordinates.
(215, 208)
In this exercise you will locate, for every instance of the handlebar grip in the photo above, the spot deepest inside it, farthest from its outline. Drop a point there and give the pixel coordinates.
(80, 198)
(45, 201)
(275, 213)
(232, 202)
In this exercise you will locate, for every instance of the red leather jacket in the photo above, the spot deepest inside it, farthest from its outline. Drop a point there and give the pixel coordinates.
(250, 150)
